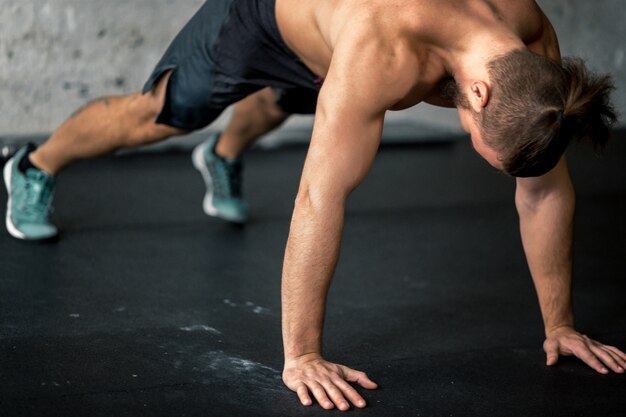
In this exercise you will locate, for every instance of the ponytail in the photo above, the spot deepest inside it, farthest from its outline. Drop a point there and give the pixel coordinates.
(587, 102)
(539, 106)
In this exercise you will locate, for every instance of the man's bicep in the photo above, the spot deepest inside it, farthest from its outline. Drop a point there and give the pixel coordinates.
(349, 117)
(344, 143)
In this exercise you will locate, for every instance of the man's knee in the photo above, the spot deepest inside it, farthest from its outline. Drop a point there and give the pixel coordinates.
(148, 105)
(266, 102)
(143, 110)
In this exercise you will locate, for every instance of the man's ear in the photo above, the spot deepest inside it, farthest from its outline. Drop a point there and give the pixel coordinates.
(479, 96)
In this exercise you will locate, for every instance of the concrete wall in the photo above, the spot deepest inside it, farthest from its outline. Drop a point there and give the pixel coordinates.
(57, 54)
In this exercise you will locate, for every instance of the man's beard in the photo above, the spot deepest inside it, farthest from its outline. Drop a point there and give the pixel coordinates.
(450, 90)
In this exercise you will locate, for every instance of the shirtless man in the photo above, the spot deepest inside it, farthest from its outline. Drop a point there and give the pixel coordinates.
(497, 61)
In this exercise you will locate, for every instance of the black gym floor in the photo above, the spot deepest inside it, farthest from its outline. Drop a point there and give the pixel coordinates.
(146, 307)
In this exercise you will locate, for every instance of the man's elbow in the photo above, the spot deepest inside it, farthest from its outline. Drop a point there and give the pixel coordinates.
(531, 201)
(318, 198)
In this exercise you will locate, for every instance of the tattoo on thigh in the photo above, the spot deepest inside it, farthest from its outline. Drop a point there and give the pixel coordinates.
(103, 100)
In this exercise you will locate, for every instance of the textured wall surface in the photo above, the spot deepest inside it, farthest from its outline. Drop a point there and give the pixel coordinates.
(57, 54)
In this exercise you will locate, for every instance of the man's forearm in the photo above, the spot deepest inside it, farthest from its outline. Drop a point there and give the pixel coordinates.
(310, 260)
(546, 225)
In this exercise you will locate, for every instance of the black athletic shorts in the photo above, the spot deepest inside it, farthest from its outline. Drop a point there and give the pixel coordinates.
(227, 51)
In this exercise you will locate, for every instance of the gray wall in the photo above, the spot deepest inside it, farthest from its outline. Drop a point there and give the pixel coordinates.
(56, 54)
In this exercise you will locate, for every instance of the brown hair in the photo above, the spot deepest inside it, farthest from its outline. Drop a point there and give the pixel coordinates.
(538, 106)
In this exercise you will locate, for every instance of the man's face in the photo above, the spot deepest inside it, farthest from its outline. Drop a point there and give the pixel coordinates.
(469, 122)
(469, 118)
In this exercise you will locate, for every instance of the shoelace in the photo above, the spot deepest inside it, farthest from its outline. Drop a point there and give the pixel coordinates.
(37, 204)
(234, 176)
(227, 175)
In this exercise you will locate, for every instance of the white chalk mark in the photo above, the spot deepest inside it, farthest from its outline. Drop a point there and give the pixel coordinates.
(248, 305)
(260, 310)
(74, 315)
(219, 364)
(220, 360)
(200, 327)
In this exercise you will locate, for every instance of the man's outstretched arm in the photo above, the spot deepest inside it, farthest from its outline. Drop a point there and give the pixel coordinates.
(546, 210)
(359, 87)
(337, 161)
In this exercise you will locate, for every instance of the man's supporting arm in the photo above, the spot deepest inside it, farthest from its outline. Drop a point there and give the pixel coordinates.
(366, 77)
(334, 166)
(546, 210)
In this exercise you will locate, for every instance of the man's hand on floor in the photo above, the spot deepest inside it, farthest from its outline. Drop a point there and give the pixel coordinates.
(328, 382)
(568, 342)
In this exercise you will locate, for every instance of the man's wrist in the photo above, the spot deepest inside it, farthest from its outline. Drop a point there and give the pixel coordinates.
(552, 330)
(305, 357)
(294, 351)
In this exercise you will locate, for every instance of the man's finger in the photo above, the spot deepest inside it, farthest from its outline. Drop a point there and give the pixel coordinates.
(584, 354)
(350, 393)
(552, 353)
(336, 395)
(320, 395)
(358, 377)
(618, 352)
(608, 358)
(303, 394)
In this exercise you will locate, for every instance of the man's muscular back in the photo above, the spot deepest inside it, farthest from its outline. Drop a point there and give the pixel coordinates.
(417, 32)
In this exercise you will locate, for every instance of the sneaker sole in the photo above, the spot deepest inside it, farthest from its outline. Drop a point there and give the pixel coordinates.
(13, 231)
(197, 158)
(8, 172)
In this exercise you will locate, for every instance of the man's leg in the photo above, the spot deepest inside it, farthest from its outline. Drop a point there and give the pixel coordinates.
(105, 125)
(100, 127)
(218, 158)
(253, 117)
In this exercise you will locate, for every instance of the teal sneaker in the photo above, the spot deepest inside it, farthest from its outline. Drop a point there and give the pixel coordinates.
(30, 200)
(222, 177)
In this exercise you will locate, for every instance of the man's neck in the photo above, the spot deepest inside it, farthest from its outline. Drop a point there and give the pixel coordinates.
(468, 60)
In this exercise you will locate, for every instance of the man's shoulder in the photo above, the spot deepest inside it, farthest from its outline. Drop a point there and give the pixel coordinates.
(525, 18)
